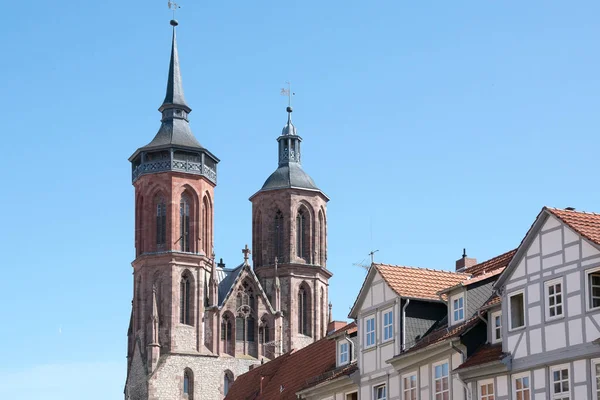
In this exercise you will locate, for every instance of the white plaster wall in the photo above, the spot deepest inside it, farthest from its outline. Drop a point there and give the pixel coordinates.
(386, 352)
(502, 382)
(555, 336)
(377, 290)
(369, 362)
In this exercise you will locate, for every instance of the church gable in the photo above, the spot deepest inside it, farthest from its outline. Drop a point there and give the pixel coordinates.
(245, 283)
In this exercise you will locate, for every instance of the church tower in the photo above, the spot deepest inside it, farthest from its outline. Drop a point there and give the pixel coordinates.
(195, 324)
(289, 242)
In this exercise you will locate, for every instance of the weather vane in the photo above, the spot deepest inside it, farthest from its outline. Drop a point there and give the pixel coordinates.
(173, 7)
(288, 92)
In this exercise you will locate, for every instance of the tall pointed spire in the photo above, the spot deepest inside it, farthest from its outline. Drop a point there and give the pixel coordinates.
(174, 97)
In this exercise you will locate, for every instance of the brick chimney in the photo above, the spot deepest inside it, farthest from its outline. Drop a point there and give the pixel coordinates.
(335, 325)
(465, 262)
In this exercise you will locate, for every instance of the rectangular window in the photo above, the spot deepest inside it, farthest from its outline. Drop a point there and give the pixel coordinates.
(522, 387)
(593, 288)
(409, 386)
(343, 353)
(370, 332)
(560, 383)
(388, 325)
(554, 298)
(380, 392)
(441, 386)
(517, 310)
(596, 379)
(486, 390)
(496, 327)
(458, 309)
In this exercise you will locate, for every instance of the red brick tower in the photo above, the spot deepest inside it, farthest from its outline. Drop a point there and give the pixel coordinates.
(174, 179)
(289, 241)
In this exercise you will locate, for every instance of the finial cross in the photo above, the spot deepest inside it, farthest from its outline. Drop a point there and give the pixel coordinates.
(246, 252)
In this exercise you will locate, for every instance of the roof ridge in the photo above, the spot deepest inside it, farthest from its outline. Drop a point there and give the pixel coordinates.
(572, 211)
(420, 268)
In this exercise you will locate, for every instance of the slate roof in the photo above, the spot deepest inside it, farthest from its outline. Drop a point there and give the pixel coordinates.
(442, 334)
(485, 354)
(418, 283)
(227, 281)
(282, 377)
(344, 370)
(586, 224)
(289, 176)
(492, 301)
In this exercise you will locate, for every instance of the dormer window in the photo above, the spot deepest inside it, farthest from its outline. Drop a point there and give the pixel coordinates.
(344, 348)
(496, 325)
(458, 308)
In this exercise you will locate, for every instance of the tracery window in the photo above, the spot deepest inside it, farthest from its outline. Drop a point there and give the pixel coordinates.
(303, 311)
(185, 300)
(184, 223)
(161, 223)
(300, 231)
(279, 235)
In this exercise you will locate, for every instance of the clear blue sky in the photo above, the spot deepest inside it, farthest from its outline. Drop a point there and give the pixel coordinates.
(432, 125)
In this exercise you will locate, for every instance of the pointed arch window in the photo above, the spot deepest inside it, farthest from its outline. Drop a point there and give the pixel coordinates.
(206, 214)
(321, 238)
(300, 233)
(225, 329)
(185, 301)
(279, 235)
(188, 384)
(227, 381)
(251, 322)
(303, 311)
(184, 223)
(322, 306)
(161, 223)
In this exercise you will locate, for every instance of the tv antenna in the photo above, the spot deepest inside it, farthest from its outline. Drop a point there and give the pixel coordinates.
(363, 263)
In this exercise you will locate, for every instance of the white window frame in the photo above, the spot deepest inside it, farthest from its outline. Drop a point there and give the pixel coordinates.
(433, 379)
(368, 332)
(547, 285)
(595, 377)
(389, 327)
(487, 396)
(349, 393)
(375, 390)
(493, 316)
(560, 368)
(341, 344)
(514, 383)
(509, 316)
(588, 292)
(453, 311)
(404, 388)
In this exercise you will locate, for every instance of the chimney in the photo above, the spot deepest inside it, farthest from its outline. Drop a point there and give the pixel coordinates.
(465, 262)
(334, 326)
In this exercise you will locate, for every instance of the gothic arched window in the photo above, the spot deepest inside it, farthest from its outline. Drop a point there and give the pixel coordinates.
(321, 238)
(206, 225)
(185, 300)
(303, 311)
(161, 223)
(188, 384)
(300, 230)
(227, 381)
(279, 236)
(322, 305)
(184, 223)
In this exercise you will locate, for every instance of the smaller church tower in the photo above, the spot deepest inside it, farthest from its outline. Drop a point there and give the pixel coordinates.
(289, 241)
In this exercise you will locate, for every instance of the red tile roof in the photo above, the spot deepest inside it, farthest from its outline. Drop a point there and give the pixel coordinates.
(485, 354)
(332, 374)
(586, 224)
(418, 283)
(492, 264)
(444, 333)
(491, 302)
(284, 376)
